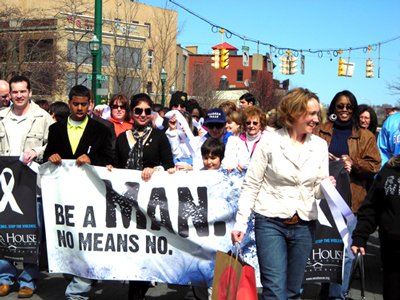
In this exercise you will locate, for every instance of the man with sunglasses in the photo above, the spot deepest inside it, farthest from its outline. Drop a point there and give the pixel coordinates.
(215, 123)
(4, 94)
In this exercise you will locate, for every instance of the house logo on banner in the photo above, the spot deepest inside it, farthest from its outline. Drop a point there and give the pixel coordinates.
(7, 188)
(18, 226)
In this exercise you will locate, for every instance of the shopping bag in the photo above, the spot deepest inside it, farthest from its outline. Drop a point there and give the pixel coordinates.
(233, 278)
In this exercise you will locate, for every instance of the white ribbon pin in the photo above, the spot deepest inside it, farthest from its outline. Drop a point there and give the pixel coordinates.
(7, 188)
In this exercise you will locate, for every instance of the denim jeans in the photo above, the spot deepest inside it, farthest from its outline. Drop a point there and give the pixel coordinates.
(28, 277)
(282, 252)
(78, 288)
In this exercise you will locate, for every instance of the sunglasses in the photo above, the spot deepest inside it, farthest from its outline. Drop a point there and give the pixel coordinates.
(139, 111)
(342, 106)
(118, 106)
(215, 125)
(248, 123)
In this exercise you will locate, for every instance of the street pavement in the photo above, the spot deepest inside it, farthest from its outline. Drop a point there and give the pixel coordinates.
(52, 286)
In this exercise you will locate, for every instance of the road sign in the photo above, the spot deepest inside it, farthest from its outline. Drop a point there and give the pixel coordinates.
(98, 77)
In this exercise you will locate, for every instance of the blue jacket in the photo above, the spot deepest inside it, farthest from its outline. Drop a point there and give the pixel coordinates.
(389, 138)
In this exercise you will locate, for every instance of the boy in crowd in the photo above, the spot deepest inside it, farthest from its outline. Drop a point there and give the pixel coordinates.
(212, 152)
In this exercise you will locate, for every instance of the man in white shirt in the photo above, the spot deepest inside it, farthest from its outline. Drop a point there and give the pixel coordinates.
(24, 129)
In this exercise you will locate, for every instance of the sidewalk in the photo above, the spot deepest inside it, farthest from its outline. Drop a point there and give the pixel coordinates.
(52, 286)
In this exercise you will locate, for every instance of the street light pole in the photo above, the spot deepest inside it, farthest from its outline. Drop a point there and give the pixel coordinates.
(97, 63)
(94, 46)
(163, 77)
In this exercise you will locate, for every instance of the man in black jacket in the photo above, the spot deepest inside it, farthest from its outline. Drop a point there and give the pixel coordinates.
(88, 142)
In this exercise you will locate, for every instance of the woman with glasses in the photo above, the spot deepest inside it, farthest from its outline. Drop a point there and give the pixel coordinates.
(146, 149)
(281, 186)
(358, 150)
(120, 115)
(240, 149)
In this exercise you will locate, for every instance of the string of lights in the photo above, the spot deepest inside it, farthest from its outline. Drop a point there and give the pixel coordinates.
(280, 49)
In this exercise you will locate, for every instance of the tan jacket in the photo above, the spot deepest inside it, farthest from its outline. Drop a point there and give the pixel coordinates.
(364, 152)
(36, 138)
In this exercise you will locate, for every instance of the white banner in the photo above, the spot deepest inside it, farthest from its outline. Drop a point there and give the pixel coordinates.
(113, 225)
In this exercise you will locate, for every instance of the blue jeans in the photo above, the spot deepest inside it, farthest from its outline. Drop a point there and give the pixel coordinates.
(30, 274)
(28, 277)
(282, 252)
(78, 288)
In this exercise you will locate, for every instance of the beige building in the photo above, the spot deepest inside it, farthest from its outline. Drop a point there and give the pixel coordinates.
(49, 42)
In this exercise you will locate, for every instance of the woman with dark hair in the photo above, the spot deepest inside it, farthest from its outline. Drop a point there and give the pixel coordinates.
(368, 118)
(358, 150)
(146, 149)
(120, 115)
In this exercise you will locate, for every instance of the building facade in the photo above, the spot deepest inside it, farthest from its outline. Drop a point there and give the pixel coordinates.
(49, 42)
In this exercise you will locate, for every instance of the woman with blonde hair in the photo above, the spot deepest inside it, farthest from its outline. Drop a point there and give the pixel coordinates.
(281, 187)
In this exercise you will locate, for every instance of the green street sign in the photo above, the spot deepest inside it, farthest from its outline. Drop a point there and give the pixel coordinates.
(98, 77)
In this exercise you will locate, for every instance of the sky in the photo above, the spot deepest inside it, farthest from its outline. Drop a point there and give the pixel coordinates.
(305, 24)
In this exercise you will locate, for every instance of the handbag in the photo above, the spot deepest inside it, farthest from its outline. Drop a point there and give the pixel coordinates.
(358, 265)
(233, 278)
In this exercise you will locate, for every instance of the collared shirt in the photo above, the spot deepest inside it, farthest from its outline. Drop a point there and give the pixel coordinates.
(17, 128)
(75, 132)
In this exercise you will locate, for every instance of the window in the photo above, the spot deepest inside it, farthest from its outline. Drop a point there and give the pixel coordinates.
(74, 79)
(128, 86)
(149, 26)
(105, 55)
(81, 78)
(150, 59)
(39, 50)
(79, 52)
(254, 75)
(239, 75)
(149, 87)
(128, 57)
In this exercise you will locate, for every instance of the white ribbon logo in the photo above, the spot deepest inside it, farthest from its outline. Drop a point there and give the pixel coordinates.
(7, 188)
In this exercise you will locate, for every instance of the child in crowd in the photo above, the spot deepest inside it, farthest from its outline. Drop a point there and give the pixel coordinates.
(212, 152)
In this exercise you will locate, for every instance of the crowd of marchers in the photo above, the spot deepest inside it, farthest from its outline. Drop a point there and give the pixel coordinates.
(285, 153)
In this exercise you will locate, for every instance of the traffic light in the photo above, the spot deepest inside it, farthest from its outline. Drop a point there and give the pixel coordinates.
(342, 69)
(224, 59)
(215, 64)
(292, 64)
(284, 64)
(369, 68)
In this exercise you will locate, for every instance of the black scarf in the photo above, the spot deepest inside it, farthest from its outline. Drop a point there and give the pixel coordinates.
(135, 160)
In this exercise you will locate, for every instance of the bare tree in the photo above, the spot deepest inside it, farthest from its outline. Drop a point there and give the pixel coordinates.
(73, 16)
(203, 88)
(263, 89)
(394, 88)
(29, 47)
(163, 44)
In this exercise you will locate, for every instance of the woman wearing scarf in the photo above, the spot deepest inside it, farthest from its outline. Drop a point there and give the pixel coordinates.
(147, 149)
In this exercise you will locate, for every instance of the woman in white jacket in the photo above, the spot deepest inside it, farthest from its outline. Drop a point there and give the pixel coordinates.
(240, 149)
(281, 187)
